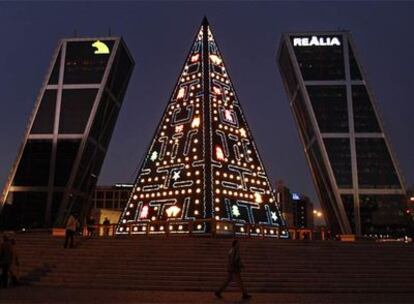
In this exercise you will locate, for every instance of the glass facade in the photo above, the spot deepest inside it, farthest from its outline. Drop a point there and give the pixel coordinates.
(358, 182)
(111, 197)
(330, 107)
(383, 214)
(54, 76)
(76, 108)
(353, 66)
(45, 116)
(302, 117)
(321, 62)
(365, 120)
(287, 70)
(83, 65)
(23, 214)
(339, 154)
(66, 153)
(61, 159)
(375, 166)
(348, 201)
(34, 166)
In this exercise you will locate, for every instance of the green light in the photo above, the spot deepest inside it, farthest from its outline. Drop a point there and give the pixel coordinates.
(154, 156)
(101, 48)
(235, 211)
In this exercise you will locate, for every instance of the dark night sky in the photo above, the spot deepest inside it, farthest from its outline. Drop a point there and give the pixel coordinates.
(159, 36)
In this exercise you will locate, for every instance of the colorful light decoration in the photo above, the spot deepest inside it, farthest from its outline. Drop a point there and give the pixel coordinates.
(228, 116)
(219, 153)
(172, 179)
(173, 211)
(235, 211)
(216, 90)
(176, 175)
(242, 132)
(144, 212)
(181, 93)
(154, 155)
(179, 128)
(196, 122)
(215, 59)
(258, 197)
(101, 47)
(195, 58)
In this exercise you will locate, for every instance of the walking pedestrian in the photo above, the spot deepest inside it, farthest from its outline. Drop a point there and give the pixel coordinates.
(90, 223)
(6, 259)
(234, 267)
(106, 223)
(71, 226)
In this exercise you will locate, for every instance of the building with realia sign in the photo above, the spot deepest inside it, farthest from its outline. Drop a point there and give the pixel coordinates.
(68, 133)
(356, 175)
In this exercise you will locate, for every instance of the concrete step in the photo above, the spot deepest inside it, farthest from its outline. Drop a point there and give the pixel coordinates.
(187, 263)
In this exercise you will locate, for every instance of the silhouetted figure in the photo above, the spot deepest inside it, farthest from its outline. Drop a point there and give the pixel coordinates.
(90, 223)
(15, 265)
(6, 259)
(234, 267)
(106, 223)
(71, 226)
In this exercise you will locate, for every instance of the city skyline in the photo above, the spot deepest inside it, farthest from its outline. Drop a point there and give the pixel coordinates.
(254, 72)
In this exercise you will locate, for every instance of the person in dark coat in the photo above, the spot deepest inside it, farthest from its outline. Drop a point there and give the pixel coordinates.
(234, 267)
(106, 223)
(6, 260)
(91, 225)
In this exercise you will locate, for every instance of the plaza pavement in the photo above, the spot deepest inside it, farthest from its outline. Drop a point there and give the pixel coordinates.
(34, 294)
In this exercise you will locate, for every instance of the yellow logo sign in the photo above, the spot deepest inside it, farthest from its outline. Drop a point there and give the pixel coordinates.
(101, 48)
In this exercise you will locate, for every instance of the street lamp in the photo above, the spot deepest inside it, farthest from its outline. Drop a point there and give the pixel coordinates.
(317, 213)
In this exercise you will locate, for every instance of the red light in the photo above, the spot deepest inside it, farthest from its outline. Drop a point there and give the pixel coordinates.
(219, 153)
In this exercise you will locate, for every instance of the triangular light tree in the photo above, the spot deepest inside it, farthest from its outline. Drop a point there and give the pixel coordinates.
(203, 172)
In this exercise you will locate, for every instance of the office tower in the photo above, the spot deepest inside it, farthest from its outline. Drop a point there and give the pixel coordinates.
(68, 133)
(358, 181)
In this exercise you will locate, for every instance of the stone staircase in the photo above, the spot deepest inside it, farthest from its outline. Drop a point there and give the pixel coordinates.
(198, 264)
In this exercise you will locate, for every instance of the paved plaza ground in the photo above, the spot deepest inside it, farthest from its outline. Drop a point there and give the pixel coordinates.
(33, 294)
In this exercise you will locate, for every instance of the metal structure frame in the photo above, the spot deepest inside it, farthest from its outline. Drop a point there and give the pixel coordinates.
(336, 202)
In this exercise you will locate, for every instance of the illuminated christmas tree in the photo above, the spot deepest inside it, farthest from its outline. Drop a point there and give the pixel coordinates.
(202, 172)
